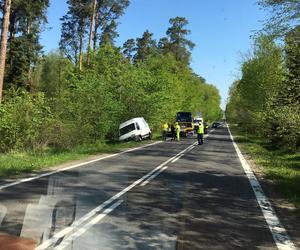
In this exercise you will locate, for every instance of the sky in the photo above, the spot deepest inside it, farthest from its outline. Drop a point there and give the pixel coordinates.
(221, 30)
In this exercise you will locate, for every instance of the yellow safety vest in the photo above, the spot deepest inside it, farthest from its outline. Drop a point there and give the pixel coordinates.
(200, 129)
(165, 127)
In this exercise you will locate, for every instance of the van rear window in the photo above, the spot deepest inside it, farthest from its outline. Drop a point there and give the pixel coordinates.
(127, 129)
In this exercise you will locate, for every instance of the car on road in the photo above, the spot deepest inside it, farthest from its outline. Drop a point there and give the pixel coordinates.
(216, 124)
(135, 129)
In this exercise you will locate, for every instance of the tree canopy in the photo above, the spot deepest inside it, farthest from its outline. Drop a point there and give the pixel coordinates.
(79, 101)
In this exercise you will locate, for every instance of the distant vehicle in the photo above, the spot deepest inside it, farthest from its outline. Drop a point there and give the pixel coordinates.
(216, 124)
(197, 120)
(185, 121)
(135, 129)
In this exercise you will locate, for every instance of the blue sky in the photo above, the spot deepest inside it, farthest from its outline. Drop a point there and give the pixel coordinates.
(221, 30)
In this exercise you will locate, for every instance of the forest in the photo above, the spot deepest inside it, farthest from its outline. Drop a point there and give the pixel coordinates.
(265, 101)
(81, 92)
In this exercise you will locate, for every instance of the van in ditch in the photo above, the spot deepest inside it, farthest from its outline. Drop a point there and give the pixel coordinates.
(135, 129)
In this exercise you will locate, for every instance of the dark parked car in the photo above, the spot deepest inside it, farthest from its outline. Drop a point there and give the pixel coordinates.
(216, 124)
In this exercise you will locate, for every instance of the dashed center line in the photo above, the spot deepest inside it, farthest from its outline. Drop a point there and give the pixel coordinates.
(153, 176)
(87, 226)
(73, 230)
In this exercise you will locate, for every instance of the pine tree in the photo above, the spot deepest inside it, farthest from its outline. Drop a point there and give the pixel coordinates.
(74, 27)
(177, 42)
(145, 46)
(107, 14)
(129, 47)
(26, 22)
(109, 34)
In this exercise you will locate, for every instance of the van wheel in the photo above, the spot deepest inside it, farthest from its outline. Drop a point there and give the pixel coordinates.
(138, 138)
(150, 136)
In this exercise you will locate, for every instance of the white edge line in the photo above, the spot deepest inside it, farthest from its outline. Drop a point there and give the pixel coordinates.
(153, 176)
(71, 167)
(87, 226)
(279, 233)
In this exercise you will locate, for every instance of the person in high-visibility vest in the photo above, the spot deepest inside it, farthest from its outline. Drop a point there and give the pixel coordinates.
(177, 129)
(165, 128)
(200, 133)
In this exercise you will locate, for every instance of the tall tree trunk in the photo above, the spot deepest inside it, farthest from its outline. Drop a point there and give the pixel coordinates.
(95, 38)
(91, 32)
(81, 44)
(5, 24)
(80, 52)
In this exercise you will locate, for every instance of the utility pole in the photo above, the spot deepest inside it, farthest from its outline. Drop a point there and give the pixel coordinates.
(5, 24)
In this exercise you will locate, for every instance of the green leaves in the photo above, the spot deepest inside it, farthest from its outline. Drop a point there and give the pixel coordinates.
(265, 101)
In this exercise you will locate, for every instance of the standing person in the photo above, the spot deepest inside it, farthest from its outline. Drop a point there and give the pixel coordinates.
(173, 132)
(200, 133)
(177, 129)
(165, 128)
(205, 127)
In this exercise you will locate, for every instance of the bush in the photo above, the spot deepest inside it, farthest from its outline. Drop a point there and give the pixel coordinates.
(283, 130)
(24, 123)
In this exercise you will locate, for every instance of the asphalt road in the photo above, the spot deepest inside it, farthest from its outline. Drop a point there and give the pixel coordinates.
(168, 195)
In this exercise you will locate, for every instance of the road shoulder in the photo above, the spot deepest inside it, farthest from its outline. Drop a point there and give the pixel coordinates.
(287, 213)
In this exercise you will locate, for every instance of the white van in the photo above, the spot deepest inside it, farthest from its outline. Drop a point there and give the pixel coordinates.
(197, 120)
(135, 129)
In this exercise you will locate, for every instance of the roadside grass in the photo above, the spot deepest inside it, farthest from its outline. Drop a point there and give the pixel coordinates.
(282, 168)
(16, 163)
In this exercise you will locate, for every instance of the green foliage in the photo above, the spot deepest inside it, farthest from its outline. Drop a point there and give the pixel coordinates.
(76, 25)
(176, 41)
(52, 73)
(145, 46)
(24, 49)
(284, 15)
(71, 109)
(24, 123)
(265, 101)
(281, 167)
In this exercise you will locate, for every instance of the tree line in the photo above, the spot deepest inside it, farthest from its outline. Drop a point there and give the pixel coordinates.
(265, 101)
(84, 90)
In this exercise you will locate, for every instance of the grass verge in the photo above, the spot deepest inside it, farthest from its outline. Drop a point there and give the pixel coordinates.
(282, 168)
(26, 162)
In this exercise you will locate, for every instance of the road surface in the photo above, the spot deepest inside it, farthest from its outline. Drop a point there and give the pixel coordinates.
(167, 195)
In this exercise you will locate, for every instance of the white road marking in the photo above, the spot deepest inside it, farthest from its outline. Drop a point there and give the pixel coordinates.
(96, 210)
(76, 224)
(279, 233)
(178, 157)
(71, 167)
(173, 159)
(153, 176)
(87, 226)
